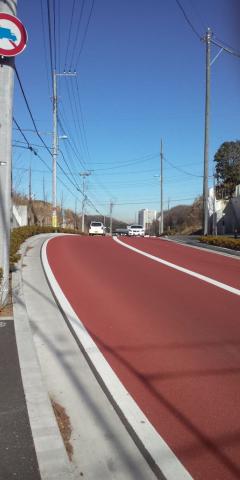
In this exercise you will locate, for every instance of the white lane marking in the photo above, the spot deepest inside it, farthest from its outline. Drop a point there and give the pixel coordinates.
(158, 454)
(210, 280)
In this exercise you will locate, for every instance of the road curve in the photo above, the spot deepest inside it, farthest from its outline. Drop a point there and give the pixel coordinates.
(172, 339)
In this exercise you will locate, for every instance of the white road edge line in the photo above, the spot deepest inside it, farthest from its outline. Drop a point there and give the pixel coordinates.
(160, 457)
(223, 286)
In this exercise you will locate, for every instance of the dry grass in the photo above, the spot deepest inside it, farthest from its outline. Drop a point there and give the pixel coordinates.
(64, 426)
(7, 309)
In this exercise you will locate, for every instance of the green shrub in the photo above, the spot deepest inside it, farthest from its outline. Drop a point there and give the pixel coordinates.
(19, 235)
(226, 242)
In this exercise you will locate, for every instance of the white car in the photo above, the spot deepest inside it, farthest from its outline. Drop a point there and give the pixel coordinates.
(136, 231)
(97, 228)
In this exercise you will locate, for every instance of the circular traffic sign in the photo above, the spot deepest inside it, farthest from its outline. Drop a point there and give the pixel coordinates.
(13, 36)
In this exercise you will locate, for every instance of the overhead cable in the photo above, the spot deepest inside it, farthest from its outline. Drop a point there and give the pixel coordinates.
(188, 20)
(40, 158)
(181, 169)
(85, 33)
(78, 30)
(69, 33)
(50, 35)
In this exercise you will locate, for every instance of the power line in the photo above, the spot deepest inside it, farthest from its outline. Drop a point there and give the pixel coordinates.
(226, 49)
(35, 126)
(127, 164)
(153, 201)
(76, 116)
(181, 170)
(82, 119)
(71, 142)
(49, 35)
(188, 20)
(85, 32)
(78, 30)
(195, 7)
(54, 34)
(40, 158)
(45, 48)
(231, 49)
(30, 112)
(69, 33)
(73, 183)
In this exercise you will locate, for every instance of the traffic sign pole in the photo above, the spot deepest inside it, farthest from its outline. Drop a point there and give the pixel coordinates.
(12, 41)
(6, 96)
(6, 104)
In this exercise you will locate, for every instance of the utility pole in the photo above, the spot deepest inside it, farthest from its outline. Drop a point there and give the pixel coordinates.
(54, 154)
(75, 218)
(110, 214)
(55, 144)
(6, 106)
(61, 209)
(168, 222)
(30, 184)
(206, 135)
(161, 190)
(44, 191)
(214, 229)
(30, 195)
(83, 175)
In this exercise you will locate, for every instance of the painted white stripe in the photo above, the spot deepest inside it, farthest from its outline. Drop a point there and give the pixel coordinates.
(223, 286)
(158, 454)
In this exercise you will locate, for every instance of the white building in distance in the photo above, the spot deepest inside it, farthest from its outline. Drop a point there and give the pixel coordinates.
(146, 217)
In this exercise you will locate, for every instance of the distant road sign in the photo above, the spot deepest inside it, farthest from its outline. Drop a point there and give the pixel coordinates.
(13, 36)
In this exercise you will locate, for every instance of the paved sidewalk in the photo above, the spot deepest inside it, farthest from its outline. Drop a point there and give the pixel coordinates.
(53, 366)
(51, 461)
(17, 453)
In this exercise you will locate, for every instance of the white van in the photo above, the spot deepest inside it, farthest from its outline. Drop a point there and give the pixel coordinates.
(97, 228)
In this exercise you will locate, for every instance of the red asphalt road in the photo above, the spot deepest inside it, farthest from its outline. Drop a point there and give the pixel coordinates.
(172, 339)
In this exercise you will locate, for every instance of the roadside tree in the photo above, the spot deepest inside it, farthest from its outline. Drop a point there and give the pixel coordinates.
(227, 160)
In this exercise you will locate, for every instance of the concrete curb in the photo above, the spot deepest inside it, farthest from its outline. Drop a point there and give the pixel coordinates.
(52, 459)
(159, 456)
(205, 247)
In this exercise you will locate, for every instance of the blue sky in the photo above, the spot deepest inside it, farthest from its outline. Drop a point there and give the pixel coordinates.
(140, 78)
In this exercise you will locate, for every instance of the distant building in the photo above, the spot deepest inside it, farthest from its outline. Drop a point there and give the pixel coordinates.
(146, 217)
